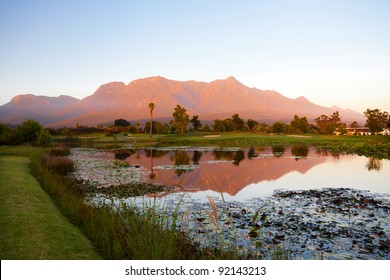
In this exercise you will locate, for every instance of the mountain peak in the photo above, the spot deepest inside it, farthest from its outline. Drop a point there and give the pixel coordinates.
(302, 99)
(336, 108)
(110, 88)
(231, 79)
(22, 97)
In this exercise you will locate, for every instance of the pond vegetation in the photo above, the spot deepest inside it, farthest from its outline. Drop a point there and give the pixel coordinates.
(290, 224)
(306, 224)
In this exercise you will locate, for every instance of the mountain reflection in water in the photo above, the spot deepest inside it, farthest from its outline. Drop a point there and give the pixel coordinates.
(225, 170)
(233, 169)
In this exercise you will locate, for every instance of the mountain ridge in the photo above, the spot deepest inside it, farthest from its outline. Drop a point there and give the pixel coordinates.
(217, 99)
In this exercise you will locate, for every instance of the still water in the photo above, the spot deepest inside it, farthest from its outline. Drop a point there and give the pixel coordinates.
(242, 174)
(346, 219)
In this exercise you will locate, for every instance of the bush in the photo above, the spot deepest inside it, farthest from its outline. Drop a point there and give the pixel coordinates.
(58, 164)
(70, 141)
(28, 131)
(59, 151)
(44, 139)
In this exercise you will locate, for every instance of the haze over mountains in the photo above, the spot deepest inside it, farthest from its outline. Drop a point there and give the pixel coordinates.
(217, 99)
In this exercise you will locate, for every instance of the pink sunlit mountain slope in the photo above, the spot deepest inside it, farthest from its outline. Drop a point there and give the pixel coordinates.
(217, 99)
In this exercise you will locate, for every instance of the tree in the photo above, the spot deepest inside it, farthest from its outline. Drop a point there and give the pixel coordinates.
(44, 138)
(354, 124)
(161, 128)
(137, 126)
(151, 108)
(28, 131)
(149, 127)
(279, 127)
(235, 123)
(219, 126)
(7, 137)
(180, 118)
(300, 125)
(238, 123)
(197, 125)
(121, 122)
(251, 124)
(262, 128)
(376, 120)
(328, 124)
(206, 128)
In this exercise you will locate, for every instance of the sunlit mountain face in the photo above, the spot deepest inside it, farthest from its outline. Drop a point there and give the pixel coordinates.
(217, 99)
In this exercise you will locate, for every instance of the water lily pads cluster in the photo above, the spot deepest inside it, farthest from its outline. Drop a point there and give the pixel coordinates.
(314, 224)
(186, 167)
(93, 169)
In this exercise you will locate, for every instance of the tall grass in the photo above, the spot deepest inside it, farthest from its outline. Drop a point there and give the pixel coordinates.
(59, 164)
(128, 234)
(59, 151)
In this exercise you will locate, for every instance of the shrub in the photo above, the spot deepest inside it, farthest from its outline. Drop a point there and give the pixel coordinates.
(44, 139)
(59, 151)
(58, 164)
(28, 131)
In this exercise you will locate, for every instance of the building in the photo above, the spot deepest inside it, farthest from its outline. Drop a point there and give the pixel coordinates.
(385, 131)
(358, 131)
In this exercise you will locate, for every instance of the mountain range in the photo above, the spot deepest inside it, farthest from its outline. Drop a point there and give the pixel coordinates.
(217, 99)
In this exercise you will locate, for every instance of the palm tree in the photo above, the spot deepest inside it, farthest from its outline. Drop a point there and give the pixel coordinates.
(151, 107)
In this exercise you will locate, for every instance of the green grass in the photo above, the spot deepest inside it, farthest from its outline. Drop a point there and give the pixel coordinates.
(31, 227)
(370, 146)
(18, 150)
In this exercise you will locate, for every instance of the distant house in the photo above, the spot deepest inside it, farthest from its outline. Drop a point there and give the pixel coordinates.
(358, 131)
(385, 131)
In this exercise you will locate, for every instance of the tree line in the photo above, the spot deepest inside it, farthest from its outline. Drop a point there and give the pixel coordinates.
(30, 131)
(181, 123)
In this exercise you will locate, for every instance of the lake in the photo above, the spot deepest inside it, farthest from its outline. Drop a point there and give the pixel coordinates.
(242, 174)
(316, 204)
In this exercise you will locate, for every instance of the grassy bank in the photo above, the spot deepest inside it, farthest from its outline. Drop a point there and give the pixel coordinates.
(48, 219)
(31, 226)
(129, 235)
(370, 146)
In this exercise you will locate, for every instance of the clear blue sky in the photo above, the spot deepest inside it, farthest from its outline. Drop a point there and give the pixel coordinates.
(332, 52)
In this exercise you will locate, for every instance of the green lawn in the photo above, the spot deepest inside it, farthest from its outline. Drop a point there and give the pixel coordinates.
(31, 226)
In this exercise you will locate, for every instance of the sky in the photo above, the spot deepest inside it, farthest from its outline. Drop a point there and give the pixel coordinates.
(332, 52)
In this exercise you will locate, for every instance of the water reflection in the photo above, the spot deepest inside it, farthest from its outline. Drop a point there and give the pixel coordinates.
(155, 153)
(233, 156)
(122, 155)
(278, 151)
(149, 153)
(299, 151)
(196, 157)
(252, 153)
(374, 164)
(238, 157)
(180, 159)
(233, 170)
(327, 153)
